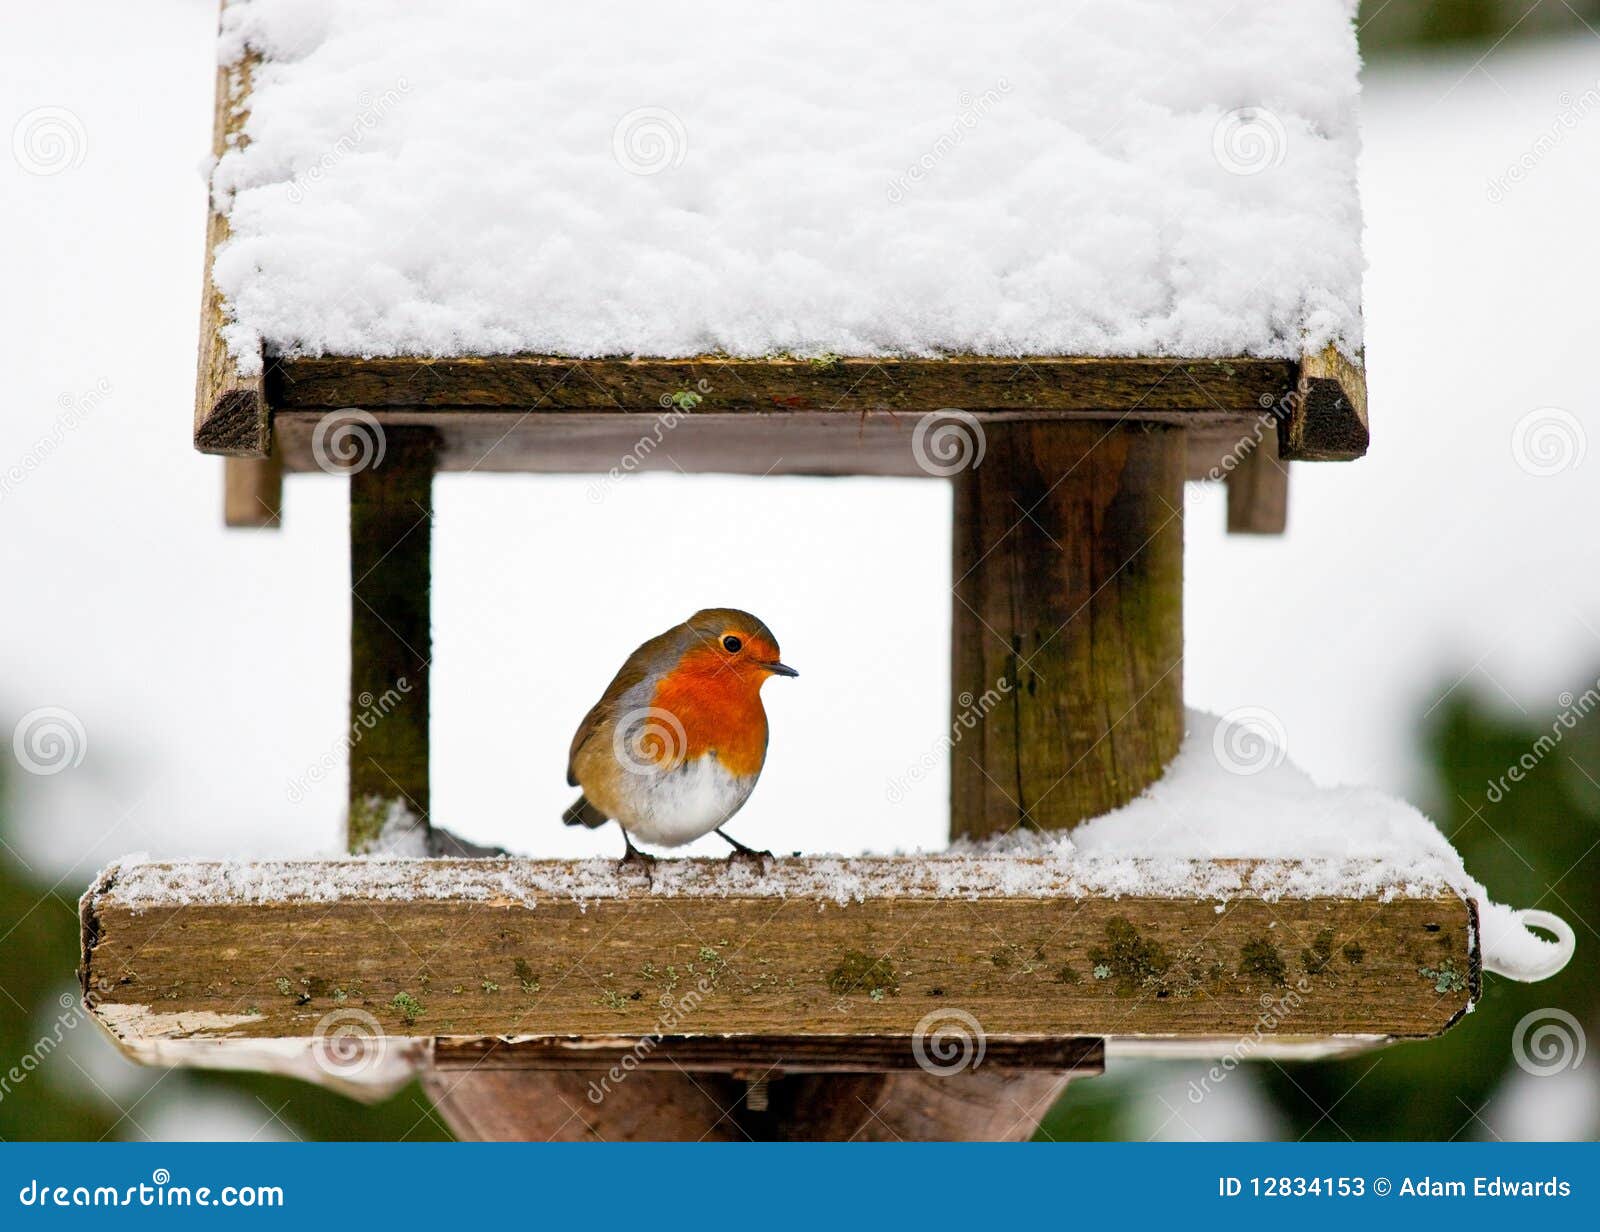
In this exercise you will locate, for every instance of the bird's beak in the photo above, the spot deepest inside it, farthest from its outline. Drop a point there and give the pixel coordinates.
(780, 669)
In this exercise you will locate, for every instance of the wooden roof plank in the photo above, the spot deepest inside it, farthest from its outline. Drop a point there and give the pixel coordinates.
(723, 385)
(230, 413)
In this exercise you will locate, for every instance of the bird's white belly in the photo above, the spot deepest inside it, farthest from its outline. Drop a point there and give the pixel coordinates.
(678, 806)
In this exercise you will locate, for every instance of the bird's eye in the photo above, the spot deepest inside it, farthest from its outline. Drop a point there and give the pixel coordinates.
(732, 644)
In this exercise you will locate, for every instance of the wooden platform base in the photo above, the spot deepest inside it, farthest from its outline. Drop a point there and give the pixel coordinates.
(947, 996)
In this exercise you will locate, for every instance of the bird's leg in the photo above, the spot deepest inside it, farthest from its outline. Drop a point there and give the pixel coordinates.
(632, 855)
(741, 852)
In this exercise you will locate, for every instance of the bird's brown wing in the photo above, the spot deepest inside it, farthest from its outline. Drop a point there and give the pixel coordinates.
(636, 669)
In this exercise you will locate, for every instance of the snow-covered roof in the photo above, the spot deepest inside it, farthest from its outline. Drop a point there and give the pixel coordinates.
(915, 177)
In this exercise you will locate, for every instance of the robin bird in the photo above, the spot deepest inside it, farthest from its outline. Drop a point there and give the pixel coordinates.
(675, 744)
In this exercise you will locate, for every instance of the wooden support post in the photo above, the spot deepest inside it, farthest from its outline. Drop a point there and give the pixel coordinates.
(253, 493)
(1258, 490)
(1067, 640)
(391, 538)
(1067, 653)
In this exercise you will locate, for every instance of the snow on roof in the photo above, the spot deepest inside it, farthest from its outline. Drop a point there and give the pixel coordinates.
(1230, 818)
(916, 177)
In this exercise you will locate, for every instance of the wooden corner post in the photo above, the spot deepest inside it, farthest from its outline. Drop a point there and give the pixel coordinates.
(1067, 638)
(1067, 658)
(391, 541)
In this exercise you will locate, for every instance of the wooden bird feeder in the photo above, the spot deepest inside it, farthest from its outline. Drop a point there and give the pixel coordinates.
(794, 1004)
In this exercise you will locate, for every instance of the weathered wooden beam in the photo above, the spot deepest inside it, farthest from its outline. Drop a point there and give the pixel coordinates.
(853, 417)
(391, 542)
(230, 414)
(252, 493)
(1067, 630)
(1025, 950)
(611, 446)
(1327, 413)
(1258, 490)
(772, 1056)
(1104, 386)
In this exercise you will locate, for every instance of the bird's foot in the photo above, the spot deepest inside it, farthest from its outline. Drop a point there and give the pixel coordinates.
(742, 852)
(642, 860)
(750, 855)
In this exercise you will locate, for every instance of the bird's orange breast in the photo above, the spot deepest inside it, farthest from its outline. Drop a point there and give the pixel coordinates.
(720, 711)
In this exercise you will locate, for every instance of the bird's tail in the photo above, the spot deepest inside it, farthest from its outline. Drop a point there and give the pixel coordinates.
(582, 813)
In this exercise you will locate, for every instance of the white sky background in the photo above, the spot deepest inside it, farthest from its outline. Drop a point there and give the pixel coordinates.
(208, 667)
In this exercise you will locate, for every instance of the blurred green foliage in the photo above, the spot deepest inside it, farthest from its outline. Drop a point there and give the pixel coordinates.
(58, 1100)
(1413, 25)
(1537, 845)
(1533, 844)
